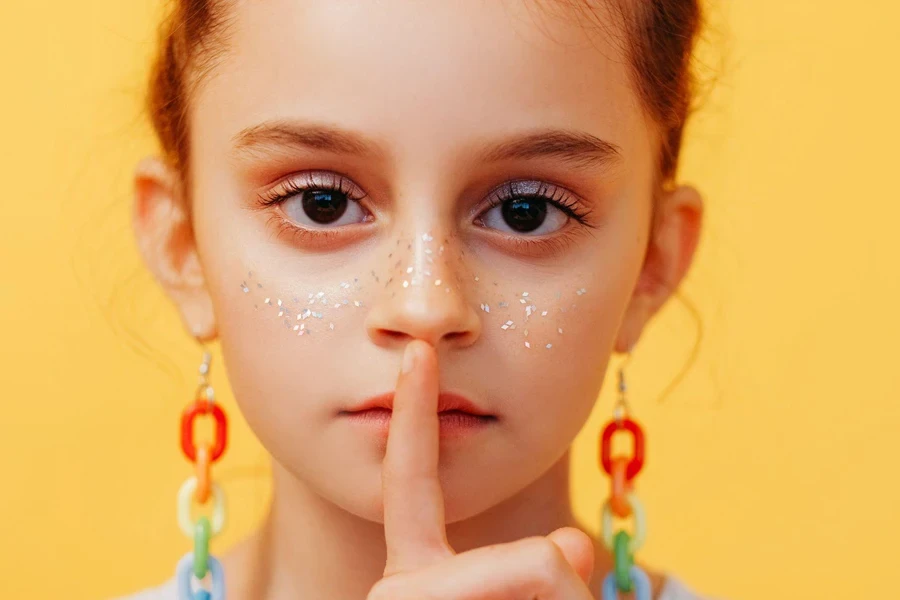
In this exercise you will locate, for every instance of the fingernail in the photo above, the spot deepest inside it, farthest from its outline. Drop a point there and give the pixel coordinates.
(409, 358)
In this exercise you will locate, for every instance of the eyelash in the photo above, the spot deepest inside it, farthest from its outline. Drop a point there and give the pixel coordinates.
(504, 193)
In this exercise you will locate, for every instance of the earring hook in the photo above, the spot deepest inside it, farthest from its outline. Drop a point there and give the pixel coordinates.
(622, 409)
(204, 387)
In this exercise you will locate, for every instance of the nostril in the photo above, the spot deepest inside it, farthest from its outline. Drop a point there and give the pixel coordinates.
(394, 335)
(456, 336)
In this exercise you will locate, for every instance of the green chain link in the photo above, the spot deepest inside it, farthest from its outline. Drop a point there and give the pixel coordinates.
(624, 560)
(201, 547)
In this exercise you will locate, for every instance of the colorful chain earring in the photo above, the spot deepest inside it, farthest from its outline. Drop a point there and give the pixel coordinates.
(199, 565)
(623, 503)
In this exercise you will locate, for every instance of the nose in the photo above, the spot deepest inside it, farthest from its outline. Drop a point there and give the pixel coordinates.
(425, 298)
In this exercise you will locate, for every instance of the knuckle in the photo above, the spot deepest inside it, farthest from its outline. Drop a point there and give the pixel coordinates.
(547, 562)
(384, 589)
(380, 591)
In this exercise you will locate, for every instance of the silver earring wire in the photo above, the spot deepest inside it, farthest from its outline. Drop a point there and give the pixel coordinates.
(622, 409)
(204, 386)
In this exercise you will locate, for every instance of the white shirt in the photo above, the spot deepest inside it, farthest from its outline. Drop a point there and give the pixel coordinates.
(672, 590)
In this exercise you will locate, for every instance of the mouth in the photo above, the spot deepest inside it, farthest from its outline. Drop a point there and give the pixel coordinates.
(448, 402)
(458, 416)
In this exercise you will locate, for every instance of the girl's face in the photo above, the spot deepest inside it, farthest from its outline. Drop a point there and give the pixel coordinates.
(475, 174)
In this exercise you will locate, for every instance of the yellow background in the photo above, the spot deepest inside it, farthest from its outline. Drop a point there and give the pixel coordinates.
(772, 466)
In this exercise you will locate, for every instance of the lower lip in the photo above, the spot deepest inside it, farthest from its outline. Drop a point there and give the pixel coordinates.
(454, 424)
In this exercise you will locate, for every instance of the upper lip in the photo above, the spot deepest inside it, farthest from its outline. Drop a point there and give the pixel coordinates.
(447, 401)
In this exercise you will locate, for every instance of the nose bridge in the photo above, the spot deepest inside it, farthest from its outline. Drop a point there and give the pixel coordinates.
(424, 293)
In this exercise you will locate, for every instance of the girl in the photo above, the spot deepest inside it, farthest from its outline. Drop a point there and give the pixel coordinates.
(479, 191)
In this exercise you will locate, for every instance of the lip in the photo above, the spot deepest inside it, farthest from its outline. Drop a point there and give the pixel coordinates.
(447, 402)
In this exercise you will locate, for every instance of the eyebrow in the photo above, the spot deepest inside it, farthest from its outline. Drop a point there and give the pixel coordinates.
(301, 135)
(578, 148)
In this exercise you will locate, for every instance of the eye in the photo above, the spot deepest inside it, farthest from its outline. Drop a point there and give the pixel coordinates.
(529, 207)
(319, 200)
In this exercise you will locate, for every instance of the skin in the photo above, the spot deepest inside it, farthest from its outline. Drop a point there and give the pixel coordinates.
(412, 79)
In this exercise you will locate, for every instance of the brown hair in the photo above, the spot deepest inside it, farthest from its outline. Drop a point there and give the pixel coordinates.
(660, 36)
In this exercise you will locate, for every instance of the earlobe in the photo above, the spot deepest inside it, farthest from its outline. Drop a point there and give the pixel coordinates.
(166, 241)
(678, 222)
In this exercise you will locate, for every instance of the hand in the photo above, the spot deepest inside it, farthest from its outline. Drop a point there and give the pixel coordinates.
(420, 562)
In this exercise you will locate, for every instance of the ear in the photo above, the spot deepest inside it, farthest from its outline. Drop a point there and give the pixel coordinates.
(677, 223)
(165, 238)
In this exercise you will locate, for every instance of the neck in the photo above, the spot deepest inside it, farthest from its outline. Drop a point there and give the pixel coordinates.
(310, 547)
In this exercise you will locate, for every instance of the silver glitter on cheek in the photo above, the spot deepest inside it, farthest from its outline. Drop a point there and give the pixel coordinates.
(548, 346)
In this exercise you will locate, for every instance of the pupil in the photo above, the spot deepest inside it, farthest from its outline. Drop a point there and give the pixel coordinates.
(524, 214)
(324, 206)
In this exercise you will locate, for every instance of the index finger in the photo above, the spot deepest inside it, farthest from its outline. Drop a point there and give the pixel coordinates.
(414, 527)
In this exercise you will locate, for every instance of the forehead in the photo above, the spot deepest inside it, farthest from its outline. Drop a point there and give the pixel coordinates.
(410, 71)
